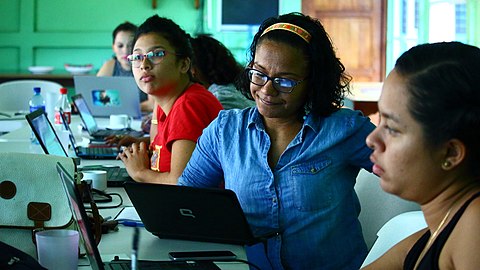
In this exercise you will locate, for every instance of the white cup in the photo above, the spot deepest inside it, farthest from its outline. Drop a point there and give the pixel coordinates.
(119, 121)
(98, 177)
(57, 249)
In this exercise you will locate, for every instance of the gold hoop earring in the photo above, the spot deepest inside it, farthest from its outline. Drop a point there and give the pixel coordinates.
(446, 164)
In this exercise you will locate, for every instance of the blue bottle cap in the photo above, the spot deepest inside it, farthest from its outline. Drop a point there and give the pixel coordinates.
(36, 90)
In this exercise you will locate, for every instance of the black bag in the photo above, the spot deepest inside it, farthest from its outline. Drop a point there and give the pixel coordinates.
(14, 259)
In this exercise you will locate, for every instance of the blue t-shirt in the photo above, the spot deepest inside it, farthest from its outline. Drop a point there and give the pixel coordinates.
(309, 196)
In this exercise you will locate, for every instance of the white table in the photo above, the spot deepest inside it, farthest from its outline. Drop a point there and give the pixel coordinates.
(119, 243)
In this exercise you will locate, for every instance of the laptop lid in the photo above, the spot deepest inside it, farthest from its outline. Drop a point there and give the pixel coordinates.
(45, 133)
(80, 216)
(85, 113)
(198, 214)
(109, 95)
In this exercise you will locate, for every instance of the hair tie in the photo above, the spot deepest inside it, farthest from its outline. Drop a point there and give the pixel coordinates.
(291, 28)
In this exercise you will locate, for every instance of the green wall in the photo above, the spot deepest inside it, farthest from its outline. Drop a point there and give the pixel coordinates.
(55, 32)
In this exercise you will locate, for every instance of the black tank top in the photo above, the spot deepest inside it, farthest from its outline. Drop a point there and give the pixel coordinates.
(430, 260)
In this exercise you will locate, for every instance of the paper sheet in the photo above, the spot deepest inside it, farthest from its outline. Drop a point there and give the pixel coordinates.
(128, 213)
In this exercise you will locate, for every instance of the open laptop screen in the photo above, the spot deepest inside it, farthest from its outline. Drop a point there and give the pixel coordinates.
(45, 133)
(85, 114)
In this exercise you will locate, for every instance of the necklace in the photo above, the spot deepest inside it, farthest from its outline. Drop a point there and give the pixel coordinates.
(434, 234)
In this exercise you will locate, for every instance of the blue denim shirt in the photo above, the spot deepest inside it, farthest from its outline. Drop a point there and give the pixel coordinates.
(309, 195)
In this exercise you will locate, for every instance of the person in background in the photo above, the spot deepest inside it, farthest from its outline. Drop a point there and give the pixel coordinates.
(426, 149)
(119, 66)
(293, 159)
(161, 62)
(215, 67)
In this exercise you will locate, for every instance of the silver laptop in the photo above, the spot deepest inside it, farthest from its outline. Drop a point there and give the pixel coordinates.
(84, 227)
(109, 95)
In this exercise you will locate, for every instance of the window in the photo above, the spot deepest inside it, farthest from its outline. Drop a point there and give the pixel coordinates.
(412, 22)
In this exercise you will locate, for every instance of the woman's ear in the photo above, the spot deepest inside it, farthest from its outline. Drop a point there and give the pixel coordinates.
(186, 64)
(455, 152)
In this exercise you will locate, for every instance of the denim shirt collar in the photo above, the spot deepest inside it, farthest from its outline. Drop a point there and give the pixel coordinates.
(255, 119)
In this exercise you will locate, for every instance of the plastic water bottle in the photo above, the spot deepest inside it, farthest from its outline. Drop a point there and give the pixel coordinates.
(65, 106)
(36, 102)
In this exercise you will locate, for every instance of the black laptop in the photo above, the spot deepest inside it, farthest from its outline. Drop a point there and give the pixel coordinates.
(196, 214)
(91, 249)
(50, 143)
(97, 151)
(91, 125)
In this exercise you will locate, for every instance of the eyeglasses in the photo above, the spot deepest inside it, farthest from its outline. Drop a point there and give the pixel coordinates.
(155, 57)
(282, 85)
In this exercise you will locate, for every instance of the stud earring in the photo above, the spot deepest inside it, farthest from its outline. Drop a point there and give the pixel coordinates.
(446, 164)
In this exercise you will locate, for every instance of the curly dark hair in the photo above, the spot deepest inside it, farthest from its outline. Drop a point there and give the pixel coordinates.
(444, 93)
(124, 27)
(327, 80)
(168, 29)
(215, 62)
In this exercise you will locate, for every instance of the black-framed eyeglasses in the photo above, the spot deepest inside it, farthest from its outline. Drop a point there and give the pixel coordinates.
(155, 57)
(280, 84)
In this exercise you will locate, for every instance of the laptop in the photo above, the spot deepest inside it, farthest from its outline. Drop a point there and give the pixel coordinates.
(41, 125)
(196, 214)
(91, 125)
(109, 95)
(51, 145)
(91, 249)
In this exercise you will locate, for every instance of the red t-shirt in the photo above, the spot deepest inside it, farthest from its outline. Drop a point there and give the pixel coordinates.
(190, 114)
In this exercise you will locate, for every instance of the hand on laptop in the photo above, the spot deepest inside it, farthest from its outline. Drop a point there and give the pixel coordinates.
(125, 140)
(136, 158)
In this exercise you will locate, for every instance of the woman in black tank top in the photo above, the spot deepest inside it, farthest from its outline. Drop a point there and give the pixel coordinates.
(427, 150)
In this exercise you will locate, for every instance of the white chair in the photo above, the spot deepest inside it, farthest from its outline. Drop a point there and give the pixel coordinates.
(378, 206)
(394, 231)
(14, 95)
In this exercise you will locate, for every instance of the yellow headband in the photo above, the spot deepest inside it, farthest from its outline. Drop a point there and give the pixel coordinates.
(290, 27)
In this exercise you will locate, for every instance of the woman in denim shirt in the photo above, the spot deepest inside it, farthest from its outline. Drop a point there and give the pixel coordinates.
(293, 159)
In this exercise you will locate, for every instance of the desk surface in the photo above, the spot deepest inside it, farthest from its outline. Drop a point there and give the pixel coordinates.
(119, 243)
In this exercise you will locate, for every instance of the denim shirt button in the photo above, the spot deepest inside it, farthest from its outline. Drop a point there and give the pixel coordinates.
(313, 170)
(274, 200)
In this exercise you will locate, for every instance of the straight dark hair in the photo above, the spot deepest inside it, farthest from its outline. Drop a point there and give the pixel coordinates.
(444, 86)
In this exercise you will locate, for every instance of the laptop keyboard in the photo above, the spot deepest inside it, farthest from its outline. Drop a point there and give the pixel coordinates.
(116, 173)
(170, 265)
(95, 151)
(108, 132)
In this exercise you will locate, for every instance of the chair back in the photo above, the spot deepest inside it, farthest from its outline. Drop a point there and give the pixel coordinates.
(394, 231)
(14, 95)
(378, 206)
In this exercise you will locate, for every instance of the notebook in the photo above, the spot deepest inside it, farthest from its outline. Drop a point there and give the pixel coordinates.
(91, 249)
(197, 214)
(91, 125)
(109, 95)
(51, 145)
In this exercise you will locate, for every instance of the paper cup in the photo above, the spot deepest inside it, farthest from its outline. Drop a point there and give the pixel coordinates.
(57, 249)
(119, 121)
(98, 177)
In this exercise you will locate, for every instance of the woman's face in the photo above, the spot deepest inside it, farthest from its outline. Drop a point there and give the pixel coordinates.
(407, 165)
(276, 59)
(158, 79)
(122, 46)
